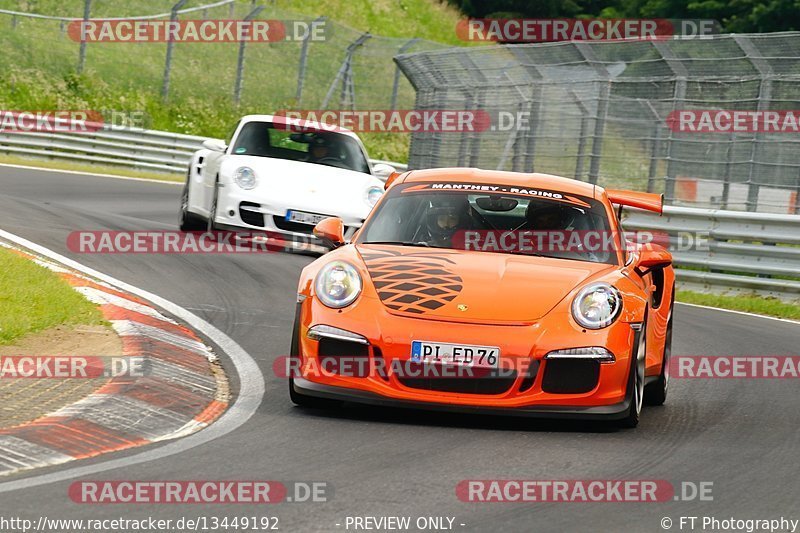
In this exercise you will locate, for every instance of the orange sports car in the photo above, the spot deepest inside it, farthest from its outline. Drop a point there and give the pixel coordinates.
(487, 291)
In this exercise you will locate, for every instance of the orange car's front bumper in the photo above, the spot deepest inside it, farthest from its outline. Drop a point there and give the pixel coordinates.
(388, 341)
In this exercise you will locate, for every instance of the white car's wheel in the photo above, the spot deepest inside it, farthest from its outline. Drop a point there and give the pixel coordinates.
(188, 220)
(212, 211)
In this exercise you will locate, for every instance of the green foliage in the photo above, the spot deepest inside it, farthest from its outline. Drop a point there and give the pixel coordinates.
(749, 304)
(739, 16)
(34, 299)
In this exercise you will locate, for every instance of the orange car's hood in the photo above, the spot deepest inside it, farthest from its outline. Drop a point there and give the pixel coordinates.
(471, 286)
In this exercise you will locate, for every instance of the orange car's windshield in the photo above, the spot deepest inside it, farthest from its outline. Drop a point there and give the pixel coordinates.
(528, 223)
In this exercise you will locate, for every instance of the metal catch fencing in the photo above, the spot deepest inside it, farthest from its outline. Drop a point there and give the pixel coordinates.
(603, 112)
(336, 66)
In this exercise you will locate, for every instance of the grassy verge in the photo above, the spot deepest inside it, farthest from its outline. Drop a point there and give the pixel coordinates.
(750, 304)
(40, 64)
(85, 167)
(33, 299)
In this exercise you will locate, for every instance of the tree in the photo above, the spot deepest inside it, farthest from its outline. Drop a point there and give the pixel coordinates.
(740, 16)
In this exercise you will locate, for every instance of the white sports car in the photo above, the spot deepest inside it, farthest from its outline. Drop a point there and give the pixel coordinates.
(281, 176)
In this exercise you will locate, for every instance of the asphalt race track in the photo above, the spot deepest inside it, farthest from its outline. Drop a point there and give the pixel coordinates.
(741, 435)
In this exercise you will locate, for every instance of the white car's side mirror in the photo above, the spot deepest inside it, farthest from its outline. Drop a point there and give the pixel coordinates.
(382, 170)
(215, 145)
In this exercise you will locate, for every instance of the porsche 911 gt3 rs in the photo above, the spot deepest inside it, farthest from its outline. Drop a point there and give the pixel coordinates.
(541, 319)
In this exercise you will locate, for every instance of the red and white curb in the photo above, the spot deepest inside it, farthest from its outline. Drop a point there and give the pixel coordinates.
(182, 390)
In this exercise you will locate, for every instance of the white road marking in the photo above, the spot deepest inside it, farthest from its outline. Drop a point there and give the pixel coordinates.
(745, 313)
(84, 173)
(251, 384)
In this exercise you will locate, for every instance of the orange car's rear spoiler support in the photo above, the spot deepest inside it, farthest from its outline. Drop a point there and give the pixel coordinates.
(643, 200)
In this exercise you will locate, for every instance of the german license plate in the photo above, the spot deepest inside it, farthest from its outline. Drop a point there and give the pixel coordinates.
(455, 354)
(304, 218)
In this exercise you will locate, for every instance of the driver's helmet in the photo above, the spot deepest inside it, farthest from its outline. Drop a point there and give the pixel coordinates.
(446, 215)
(321, 148)
(550, 216)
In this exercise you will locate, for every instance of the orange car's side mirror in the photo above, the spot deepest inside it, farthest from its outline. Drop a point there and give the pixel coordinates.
(652, 257)
(330, 229)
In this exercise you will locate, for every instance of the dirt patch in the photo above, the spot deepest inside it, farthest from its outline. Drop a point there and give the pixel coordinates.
(25, 399)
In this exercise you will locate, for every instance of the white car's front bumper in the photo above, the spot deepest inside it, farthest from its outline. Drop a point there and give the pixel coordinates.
(236, 209)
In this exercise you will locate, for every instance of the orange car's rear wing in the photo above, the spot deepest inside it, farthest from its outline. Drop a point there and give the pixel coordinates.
(643, 200)
(391, 179)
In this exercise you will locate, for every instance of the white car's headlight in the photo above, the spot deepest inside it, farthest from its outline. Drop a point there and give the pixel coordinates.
(596, 306)
(374, 194)
(338, 284)
(245, 177)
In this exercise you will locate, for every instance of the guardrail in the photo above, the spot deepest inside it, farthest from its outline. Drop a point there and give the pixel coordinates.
(732, 251)
(741, 251)
(154, 150)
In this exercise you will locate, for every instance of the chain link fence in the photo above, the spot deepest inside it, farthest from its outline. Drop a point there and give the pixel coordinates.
(346, 69)
(601, 112)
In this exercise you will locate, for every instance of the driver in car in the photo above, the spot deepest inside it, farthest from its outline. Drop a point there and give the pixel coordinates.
(445, 217)
(320, 150)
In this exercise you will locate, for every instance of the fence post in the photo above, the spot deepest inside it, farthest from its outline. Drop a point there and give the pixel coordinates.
(173, 16)
(87, 10)
(301, 69)
(726, 183)
(396, 83)
(237, 88)
(655, 149)
(678, 97)
(582, 136)
(599, 130)
(345, 74)
(796, 210)
(764, 96)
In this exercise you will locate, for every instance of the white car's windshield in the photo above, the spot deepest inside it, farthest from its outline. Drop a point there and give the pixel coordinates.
(265, 139)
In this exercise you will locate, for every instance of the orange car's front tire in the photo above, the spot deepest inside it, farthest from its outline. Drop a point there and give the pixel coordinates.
(636, 379)
(294, 351)
(656, 392)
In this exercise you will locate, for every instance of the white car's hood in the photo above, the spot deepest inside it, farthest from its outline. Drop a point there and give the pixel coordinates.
(306, 186)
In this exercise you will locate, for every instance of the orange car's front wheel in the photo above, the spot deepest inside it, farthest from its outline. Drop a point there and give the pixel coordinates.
(636, 379)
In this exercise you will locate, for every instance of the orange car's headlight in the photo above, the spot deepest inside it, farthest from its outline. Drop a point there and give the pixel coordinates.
(597, 305)
(338, 284)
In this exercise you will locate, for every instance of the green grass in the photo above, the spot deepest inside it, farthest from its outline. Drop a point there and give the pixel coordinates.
(33, 299)
(750, 304)
(39, 64)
